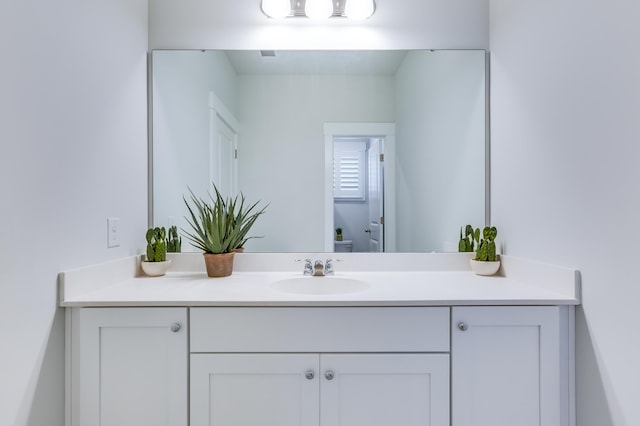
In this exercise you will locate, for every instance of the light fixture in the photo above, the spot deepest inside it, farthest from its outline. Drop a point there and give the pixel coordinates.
(359, 9)
(318, 9)
(276, 8)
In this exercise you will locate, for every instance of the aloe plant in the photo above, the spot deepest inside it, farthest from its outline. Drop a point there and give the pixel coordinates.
(244, 218)
(156, 246)
(220, 225)
(174, 242)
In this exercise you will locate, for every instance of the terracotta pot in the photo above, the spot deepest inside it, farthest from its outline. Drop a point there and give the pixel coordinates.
(219, 265)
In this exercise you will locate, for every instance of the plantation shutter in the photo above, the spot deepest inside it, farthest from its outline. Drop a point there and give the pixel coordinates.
(348, 170)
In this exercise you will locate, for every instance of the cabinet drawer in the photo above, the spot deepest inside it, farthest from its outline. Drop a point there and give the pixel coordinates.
(320, 329)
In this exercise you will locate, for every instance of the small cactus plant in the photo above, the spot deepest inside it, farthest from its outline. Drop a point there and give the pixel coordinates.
(466, 244)
(174, 242)
(156, 245)
(486, 251)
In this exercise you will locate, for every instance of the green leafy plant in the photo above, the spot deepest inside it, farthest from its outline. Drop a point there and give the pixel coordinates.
(156, 246)
(486, 251)
(174, 242)
(467, 242)
(220, 225)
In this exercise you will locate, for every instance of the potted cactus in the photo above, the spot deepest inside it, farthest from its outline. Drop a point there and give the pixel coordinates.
(174, 242)
(467, 241)
(219, 227)
(486, 261)
(155, 262)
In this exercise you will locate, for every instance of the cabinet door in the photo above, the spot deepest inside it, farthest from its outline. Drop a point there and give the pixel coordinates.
(505, 366)
(254, 390)
(129, 367)
(384, 389)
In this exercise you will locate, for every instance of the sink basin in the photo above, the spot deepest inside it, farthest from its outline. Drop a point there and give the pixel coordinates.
(319, 285)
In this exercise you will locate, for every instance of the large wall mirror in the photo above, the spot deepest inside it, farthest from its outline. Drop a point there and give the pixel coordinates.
(389, 146)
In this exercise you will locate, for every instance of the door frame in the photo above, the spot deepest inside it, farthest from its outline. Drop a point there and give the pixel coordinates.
(386, 131)
(217, 109)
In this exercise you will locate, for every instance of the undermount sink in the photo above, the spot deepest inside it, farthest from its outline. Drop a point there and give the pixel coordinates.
(319, 285)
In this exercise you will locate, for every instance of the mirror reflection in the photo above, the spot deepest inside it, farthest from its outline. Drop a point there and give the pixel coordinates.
(388, 146)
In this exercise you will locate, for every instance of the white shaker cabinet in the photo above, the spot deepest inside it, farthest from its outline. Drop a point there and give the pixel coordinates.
(319, 389)
(511, 366)
(127, 367)
(384, 389)
(254, 389)
(320, 366)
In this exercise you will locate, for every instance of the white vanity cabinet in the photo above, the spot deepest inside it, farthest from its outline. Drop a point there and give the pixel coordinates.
(320, 366)
(127, 367)
(511, 366)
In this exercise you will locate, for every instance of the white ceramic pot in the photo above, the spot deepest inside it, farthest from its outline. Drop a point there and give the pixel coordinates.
(155, 269)
(484, 268)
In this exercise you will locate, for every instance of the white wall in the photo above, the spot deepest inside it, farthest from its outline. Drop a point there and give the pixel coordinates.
(73, 138)
(281, 147)
(440, 149)
(182, 81)
(397, 24)
(565, 176)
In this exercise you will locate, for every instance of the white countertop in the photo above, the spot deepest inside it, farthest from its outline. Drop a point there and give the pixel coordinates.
(393, 280)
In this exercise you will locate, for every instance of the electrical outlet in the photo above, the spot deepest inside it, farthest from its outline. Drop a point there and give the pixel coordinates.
(113, 232)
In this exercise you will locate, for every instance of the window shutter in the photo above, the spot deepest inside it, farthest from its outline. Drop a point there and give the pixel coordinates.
(348, 171)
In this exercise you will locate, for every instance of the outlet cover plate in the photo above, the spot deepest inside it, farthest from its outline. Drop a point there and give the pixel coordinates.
(113, 232)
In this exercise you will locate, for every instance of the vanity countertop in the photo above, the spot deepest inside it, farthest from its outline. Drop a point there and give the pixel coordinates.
(427, 279)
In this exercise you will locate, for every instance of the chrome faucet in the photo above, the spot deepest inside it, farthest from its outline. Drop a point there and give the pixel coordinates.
(318, 268)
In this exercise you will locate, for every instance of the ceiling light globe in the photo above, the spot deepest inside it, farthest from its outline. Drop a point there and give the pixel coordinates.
(276, 8)
(359, 9)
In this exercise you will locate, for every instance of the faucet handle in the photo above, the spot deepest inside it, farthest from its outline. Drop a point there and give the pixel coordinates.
(328, 267)
(308, 269)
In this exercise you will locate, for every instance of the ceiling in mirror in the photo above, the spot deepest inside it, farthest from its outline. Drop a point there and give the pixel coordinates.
(264, 123)
(318, 62)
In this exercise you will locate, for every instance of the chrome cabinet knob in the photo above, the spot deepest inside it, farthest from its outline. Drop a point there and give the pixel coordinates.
(328, 375)
(176, 326)
(462, 326)
(309, 375)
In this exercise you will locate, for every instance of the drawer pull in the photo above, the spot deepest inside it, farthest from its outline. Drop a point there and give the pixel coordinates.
(176, 326)
(309, 375)
(462, 326)
(328, 375)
